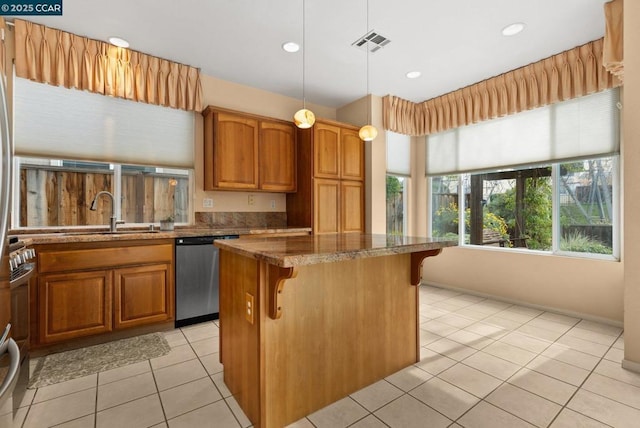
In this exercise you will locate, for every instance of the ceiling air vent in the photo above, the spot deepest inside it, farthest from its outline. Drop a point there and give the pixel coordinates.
(372, 41)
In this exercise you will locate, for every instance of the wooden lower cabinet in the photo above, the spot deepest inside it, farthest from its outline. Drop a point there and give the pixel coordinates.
(142, 295)
(74, 305)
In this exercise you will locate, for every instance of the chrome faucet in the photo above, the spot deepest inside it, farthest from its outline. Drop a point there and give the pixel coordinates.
(94, 206)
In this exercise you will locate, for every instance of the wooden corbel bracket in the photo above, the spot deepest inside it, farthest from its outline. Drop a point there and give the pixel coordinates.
(416, 264)
(276, 277)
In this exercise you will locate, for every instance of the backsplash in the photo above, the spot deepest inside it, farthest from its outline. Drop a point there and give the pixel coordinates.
(241, 219)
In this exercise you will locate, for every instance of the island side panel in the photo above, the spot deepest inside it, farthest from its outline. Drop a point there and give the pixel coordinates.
(344, 325)
(239, 339)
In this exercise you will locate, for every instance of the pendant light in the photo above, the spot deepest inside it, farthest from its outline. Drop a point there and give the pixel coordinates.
(368, 132)
(304, 118)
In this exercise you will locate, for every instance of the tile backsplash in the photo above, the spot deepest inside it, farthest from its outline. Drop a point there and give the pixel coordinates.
(241, 219)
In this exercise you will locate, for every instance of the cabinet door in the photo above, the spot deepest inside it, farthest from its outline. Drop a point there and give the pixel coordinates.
(326, 200)
(352, 206)
(235, 152)
(74, 305)
(143, 294)
(277, 164)
(352, 148)
(326, 151)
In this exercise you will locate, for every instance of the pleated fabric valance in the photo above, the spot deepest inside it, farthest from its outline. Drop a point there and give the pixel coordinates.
(612, 56)
(3, 50)
(569, 74)
(52, 56)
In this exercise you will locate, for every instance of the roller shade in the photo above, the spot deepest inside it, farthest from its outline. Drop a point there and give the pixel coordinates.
(578, 128)
(61, 123)
(398, 154)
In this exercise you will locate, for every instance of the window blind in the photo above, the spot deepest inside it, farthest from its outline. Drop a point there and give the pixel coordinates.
(578, 128)
(61, 123)
(398, 154)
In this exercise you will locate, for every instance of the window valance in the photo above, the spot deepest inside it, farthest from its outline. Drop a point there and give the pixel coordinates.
(52, 56)
(569, 74)
(612, 56)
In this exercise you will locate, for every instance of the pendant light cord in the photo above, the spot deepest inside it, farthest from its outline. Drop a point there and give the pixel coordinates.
(304, 54)
(368, 100)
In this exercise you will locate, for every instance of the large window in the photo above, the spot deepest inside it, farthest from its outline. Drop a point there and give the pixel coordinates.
(547, 179)
(59, 193)
(396, 205)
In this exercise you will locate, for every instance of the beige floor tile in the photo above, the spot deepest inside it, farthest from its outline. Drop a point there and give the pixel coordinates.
(559, 318)
(177, 355)
(619, 344)
(524, 404)
(489, 306)
(61, 409)
(369, 422)
(525, 342)
(161, 425)
(615, 371)
(487, 330)
(65, 388)
(342, 413)
(432, 362)
(470, 339)
(560, 327)
(88, 421)
(143, 412)
(600, 327)
(582, 345)
(485, 415)
(497, 321)
(592, 336)
(509, 353)
(472, 314)
(212, 363)
(447, 305)
(189, 396)
(460, 301)
(614, 389)
(302, 423)
(539, 333)
(408, 378)
(559, 370)
(570, 419)
(471, 298)
(178, 374)
(204, 416)
(376, 395)
(28, 397)
(123, 372)
(543, 385)
(451, 349)
(18, 419)
(431, 312)
(514, 315)
(427, 337)
(604, 410)
(206, 346)
(449, 400)
(470, 379)
(129, 389)
(175, 338)
(571, 356)
(614, 354)
(525, 310)
(195, 333)
(408, 412)
(456, 320)
(218, 380)
(496, 367)
(238, 412)
(439, 328)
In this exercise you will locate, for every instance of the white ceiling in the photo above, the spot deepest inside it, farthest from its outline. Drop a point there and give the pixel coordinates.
(452, 42)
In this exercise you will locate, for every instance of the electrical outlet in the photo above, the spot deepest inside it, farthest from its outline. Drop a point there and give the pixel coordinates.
(273, 204)
(251, 200)
(207, 203)
(249, 308)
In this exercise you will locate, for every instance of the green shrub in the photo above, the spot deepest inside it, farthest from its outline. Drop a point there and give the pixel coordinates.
(580, 243)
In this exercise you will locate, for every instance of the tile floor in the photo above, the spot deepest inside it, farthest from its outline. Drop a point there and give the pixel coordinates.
(484, 363)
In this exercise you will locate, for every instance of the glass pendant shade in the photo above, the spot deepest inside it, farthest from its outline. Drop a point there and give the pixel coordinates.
(304, 118)
(368, 133)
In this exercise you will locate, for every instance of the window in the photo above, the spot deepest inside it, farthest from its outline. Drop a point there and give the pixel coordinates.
(398, 171)
(396, 205)
(545, 179)
(59, 193)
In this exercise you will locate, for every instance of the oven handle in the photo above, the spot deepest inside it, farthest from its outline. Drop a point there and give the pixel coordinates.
(23, 279)
(11, 379)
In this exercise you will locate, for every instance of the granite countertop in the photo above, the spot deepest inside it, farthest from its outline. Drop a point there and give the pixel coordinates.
(93, 234)
(312, 249)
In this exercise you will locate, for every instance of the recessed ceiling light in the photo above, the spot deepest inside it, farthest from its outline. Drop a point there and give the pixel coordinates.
(291, 47)
(119, 42)
(413, 74)
(513, 29)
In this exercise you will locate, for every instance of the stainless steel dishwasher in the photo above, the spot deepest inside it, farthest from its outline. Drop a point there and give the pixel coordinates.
(197, 279)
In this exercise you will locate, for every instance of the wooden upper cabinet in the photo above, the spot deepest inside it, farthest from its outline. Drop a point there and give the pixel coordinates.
(248, 152)
(352, 155)
(326, 202)
(326, 151)
(352, 206)
(277, 158)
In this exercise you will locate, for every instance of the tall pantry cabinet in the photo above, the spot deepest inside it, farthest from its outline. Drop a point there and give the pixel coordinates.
(330, 196)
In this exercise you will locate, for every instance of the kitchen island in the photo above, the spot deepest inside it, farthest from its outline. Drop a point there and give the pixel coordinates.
(308, 320)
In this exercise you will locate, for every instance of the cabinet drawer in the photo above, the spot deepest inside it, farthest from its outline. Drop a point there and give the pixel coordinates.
(98, 258)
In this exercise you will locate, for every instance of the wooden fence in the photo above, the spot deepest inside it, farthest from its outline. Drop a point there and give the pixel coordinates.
(61, 196)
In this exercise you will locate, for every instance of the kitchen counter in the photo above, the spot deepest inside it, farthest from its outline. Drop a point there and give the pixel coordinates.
(312, 249)
(305, 321)
(93, 234)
